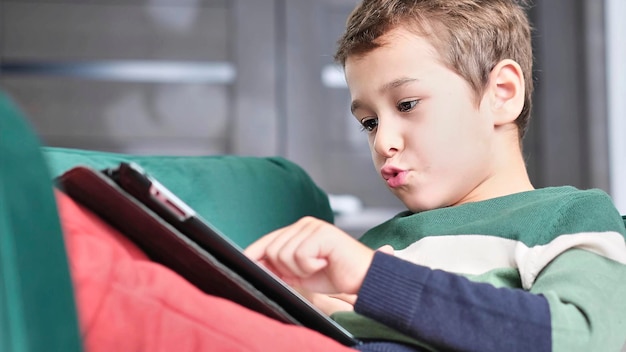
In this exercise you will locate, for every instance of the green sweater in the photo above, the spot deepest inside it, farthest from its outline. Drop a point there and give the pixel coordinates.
(563, 244)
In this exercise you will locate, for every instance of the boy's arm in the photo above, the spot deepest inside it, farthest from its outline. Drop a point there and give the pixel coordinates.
(586, 293)
(450, 311)
(575, 303)
(562, 312)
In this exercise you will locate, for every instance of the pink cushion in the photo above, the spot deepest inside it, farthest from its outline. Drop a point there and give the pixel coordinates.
(128, 303)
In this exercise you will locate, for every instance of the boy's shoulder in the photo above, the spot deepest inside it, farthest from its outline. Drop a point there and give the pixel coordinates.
(536, 217)
(555, 198)
(561, 196)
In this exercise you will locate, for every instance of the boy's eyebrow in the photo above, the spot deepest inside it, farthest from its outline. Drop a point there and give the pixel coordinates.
(397, 83)
(387, 86)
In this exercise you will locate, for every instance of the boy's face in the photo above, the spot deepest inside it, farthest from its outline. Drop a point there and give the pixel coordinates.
(429, 140)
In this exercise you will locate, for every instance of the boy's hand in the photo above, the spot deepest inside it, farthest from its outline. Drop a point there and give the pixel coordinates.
(314, 255)
(329, 304)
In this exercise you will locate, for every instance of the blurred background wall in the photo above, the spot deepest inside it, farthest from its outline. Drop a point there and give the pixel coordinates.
(256, 77)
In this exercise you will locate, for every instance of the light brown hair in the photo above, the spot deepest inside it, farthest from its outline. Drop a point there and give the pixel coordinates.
(471, 36)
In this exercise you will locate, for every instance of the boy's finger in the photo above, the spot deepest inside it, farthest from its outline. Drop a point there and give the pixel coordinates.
(256, 251)
(348, 298)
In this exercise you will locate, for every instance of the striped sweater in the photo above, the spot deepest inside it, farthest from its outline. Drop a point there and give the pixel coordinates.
(534, 271)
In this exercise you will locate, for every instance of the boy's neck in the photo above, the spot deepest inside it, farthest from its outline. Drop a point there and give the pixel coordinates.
(508, 173)
(511, 175)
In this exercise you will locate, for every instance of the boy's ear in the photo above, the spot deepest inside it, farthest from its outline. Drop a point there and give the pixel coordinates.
(506, 91)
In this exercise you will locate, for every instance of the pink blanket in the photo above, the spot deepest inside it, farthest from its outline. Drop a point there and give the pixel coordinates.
(128, 303)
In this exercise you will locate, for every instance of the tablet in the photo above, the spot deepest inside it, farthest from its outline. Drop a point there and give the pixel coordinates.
(173, 234)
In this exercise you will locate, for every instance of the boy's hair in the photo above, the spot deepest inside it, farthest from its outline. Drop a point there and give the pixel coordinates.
(471, 36)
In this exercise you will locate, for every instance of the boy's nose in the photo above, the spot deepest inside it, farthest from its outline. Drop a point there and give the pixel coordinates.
(388, 139)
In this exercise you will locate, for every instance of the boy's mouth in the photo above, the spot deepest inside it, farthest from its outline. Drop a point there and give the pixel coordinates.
(395, 177)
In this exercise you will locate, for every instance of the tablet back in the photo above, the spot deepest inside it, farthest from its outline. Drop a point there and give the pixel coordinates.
(171, 233)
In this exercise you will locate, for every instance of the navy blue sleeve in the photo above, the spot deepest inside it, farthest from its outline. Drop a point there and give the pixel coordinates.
(450, 311)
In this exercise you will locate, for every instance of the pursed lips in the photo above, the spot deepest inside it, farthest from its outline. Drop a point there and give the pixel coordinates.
(394, 176)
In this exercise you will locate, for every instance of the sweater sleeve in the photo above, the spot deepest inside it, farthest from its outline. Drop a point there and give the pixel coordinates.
(586, 293)
(451, 312)
(575, 305)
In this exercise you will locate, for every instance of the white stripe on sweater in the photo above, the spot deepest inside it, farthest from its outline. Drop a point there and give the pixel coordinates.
(477, 254)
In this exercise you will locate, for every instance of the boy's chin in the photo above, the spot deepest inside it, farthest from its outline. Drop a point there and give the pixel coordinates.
(417, 205)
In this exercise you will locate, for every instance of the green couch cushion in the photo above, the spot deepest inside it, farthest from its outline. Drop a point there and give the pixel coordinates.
(37, 311)
(244, 197)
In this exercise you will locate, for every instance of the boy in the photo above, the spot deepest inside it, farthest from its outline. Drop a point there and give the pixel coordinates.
(482, 261)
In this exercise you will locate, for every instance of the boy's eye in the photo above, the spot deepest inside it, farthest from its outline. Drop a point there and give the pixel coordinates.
(369, 124)
(405, 106)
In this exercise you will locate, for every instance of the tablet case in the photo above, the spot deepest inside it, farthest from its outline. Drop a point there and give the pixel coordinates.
(172, 234)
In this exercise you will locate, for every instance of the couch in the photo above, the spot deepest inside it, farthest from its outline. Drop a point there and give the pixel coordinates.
(244, 197)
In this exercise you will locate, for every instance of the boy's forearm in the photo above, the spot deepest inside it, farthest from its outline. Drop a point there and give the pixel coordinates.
(563, 311)
(450, 311)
